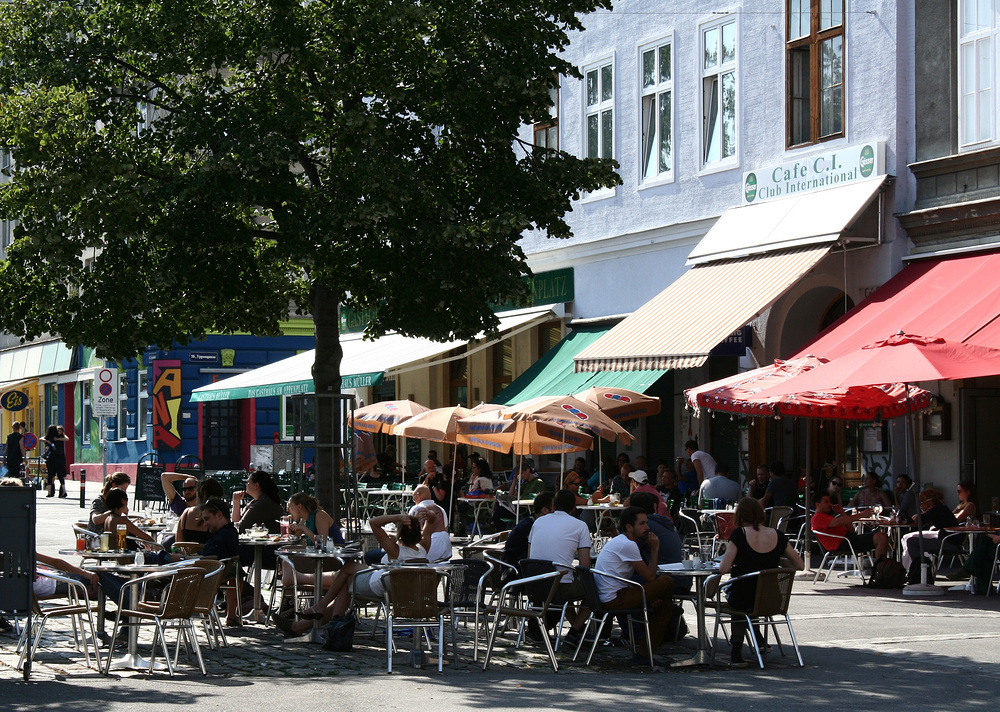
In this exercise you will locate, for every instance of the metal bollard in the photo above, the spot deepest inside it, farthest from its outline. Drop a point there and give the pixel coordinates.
(83, 489)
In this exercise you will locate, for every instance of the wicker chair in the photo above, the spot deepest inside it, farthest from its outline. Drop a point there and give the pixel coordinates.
(411, 601)
(177, 602)
(773, 594)
(204, 606)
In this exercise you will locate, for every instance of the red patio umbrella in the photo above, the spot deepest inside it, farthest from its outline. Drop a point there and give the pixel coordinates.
(744, 393)
(902, 358)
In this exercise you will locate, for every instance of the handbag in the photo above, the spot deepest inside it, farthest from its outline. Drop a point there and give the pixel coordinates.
(340, 634)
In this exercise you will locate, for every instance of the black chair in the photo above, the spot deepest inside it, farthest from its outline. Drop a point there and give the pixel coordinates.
(592, 599)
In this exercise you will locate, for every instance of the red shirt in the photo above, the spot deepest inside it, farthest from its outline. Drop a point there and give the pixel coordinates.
(823, 524)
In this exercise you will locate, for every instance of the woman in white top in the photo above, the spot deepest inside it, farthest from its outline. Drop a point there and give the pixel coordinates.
(410, 542)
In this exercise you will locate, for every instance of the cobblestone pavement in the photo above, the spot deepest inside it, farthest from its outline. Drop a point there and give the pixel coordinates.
(954, 631)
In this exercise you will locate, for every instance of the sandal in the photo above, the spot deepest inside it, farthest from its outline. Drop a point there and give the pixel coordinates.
(284, 625)
(308, 615)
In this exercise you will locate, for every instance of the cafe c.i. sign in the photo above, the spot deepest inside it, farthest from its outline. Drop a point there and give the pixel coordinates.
(826, 170)
(14, 400)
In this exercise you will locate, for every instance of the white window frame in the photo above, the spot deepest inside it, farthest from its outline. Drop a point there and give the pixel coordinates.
(86, 415)
(982, 97)
(142, 404)
(599, 109)
(721, 69)
(286, 422)
(121, 419)
(654, 93)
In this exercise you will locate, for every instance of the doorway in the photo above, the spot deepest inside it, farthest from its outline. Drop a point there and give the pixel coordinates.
(979, 425)
(221, 440)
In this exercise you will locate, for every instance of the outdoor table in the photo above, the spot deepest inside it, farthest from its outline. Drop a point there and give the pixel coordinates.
(259, 544)
(132, 659)
(604, 513)
(701, 655)
(100, 556)
(894, 531)
(477, 506)
(318, 557)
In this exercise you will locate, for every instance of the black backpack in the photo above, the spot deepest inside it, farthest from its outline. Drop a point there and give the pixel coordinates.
(887, 573)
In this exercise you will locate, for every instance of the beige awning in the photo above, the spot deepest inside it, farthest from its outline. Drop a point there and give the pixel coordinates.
(680, 326)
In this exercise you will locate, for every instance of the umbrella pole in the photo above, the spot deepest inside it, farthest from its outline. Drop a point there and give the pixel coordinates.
(562, 460)
(517, 507)
(923, 588)
(807, 545)
(451, 498)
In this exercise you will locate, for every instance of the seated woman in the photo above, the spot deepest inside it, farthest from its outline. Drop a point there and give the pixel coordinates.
(191, 526)
(966, 508)
(934, 515)
(99, 511)
(412, 540)
(871, 494)
(308, 520)
(118, 506)
(266, 508)
(752, 547)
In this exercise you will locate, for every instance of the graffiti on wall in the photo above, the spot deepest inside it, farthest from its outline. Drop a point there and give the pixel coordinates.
(166, 398)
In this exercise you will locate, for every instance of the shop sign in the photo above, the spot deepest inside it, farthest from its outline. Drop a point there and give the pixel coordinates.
(803, 175)
(14, 401)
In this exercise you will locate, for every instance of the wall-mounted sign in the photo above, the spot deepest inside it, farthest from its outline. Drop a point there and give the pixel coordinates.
(826, 170)
(14, 401)
(203, 357)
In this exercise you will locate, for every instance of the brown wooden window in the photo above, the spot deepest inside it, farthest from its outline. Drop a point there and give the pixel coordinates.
(815, 70)
(547, 132)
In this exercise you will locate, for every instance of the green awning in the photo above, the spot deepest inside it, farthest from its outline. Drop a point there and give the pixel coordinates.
(553, 374)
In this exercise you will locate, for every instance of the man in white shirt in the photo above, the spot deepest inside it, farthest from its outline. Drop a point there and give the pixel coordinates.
(719, 486)
(560, 537)
(440, 549)
(620, 557)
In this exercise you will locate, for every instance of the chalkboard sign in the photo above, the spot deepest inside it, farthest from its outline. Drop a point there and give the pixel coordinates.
(411, 462)
(147, 483)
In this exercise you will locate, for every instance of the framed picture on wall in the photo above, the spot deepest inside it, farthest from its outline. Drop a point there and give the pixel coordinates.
(937, 422)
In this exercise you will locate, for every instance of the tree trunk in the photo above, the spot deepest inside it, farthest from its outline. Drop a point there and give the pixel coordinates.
(330, 417)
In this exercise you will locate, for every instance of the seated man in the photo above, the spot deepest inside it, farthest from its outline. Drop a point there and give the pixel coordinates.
(177, 502)
(639, 482)
(621, 557)
(718, 488)
(525, 486)
(671, 549)
(516, 546)
(905, 497)
(425, 506)
(825, 522)
(560, 538)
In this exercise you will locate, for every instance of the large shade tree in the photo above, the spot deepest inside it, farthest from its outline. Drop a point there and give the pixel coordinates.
(196, 166)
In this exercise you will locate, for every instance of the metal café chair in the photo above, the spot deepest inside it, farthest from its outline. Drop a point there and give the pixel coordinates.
(510, 603)
(411, 601)
(75, 606)
(849, 559)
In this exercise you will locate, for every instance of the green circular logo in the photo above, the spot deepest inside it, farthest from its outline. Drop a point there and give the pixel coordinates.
(867, 161)
(750, 187)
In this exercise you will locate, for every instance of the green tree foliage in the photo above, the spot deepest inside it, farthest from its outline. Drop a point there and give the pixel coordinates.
(218, 160)
(190, 166)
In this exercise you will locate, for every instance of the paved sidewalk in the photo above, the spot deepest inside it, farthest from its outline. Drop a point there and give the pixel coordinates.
(834, 622)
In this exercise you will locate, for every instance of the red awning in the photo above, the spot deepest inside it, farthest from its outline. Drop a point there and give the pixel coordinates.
(957, 299)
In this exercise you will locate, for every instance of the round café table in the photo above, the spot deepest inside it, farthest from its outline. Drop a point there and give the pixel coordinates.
(315, 635)
(701, 655)
(259, 544)
(132, 660)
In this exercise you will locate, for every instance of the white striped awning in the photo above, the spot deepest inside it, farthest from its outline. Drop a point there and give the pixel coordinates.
(680, 326)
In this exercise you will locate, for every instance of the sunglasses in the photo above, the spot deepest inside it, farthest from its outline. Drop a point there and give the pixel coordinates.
(836, 484)
(188, 489)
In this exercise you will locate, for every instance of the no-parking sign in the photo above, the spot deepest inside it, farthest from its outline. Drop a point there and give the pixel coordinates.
(104, 398)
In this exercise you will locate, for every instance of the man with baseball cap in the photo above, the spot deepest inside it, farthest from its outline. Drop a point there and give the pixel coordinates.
(639, 482)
